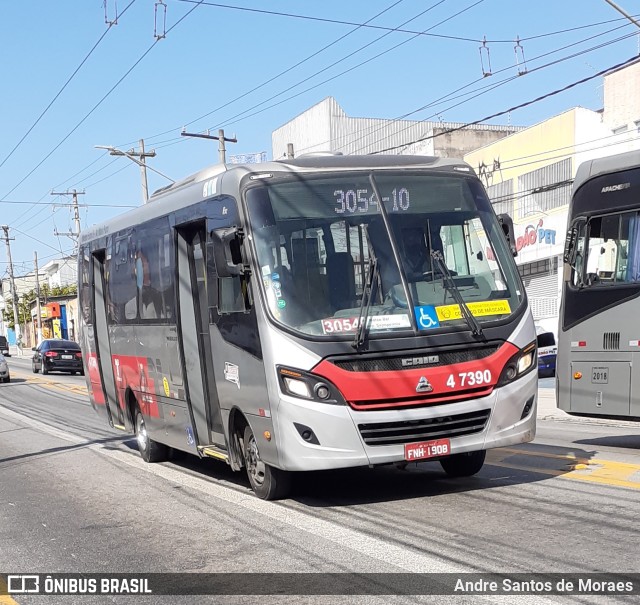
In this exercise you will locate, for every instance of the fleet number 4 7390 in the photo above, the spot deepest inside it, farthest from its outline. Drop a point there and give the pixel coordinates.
(469, 379)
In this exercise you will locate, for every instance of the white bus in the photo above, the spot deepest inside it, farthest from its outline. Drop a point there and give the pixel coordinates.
(599, 336)
(278, 317)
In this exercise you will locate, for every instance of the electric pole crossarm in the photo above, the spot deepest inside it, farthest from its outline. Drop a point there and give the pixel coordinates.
(75, 236)
(138, 157)
(222, 152)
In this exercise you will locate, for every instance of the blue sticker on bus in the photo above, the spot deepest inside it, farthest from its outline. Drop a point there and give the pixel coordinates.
(190, 438)
(275, 276)
(427, 317)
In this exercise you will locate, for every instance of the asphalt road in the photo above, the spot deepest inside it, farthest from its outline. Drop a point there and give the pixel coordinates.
(76, 497)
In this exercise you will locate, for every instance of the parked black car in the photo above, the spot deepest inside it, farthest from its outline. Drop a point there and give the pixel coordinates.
(56, 355)
(4, 346)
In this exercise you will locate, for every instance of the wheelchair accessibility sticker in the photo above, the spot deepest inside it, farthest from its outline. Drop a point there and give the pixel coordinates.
(427, 317)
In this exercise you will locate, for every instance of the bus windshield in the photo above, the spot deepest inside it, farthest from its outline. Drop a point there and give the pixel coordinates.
(315, 239)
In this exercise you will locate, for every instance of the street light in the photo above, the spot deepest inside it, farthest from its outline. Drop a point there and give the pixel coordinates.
(143, 166)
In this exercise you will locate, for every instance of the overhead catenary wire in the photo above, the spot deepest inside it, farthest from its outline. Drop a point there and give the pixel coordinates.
(64, 86)
(234, 119)
(515, 107)
(444, 36)
(493, 85)
(104, 97)
(272, 79)
(241, 116)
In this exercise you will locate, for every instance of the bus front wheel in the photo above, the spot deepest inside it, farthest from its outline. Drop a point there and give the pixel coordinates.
(463, 465)
(150, 450)
(267, 482)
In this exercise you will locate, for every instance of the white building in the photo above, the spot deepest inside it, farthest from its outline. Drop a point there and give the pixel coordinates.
(326, 127)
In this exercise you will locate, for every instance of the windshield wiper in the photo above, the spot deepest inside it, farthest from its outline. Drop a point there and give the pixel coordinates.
(450, 285)
(365, 303)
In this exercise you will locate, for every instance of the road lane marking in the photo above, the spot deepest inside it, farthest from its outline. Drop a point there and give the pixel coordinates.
(407, 558)
(5, 599)
(30, 378)
(594, 470)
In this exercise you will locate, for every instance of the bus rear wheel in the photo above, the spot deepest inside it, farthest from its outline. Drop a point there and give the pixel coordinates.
(150, 450)
(267, 482)
(463, 465)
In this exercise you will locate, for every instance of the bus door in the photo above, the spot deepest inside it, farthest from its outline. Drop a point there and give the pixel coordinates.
(193, 334)
(101, 335)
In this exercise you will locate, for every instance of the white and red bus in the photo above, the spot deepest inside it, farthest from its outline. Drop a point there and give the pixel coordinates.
(316, 313)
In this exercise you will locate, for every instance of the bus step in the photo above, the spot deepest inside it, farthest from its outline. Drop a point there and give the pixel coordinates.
(213, 451)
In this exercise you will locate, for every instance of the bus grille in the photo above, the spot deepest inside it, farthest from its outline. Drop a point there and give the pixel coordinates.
(411, 431)
(611, 341)
(388, 364)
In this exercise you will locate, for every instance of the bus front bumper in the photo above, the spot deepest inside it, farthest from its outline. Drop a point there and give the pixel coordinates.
(337, 440)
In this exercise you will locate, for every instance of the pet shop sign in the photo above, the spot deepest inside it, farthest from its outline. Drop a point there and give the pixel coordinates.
(532, 235)
(536, 234)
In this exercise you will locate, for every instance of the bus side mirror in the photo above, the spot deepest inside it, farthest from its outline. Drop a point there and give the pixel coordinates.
(506, 222)
(227, 251)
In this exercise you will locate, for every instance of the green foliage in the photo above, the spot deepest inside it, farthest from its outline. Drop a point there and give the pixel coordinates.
(26, 300)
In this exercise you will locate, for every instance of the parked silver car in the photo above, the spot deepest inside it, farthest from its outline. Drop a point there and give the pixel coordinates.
(4, 369)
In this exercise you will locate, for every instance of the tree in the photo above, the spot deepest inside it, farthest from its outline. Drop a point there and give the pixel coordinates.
(26, 300)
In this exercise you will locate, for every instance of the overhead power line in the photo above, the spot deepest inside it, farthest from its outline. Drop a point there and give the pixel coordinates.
(492, 86)
(405, 31)
(46, 109)
(512, 109)
(241, 116)
(98, 103)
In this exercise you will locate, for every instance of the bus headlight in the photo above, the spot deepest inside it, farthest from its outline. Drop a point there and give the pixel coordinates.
(305, 385)
(519, 365)
(524, 362)
(297, 387)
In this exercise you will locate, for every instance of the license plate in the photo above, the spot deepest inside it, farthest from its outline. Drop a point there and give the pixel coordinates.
(600, 375)
(66, 356)
(427, 449)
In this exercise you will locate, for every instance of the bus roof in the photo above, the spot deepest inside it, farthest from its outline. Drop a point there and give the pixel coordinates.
(613, 163)
(190, 190)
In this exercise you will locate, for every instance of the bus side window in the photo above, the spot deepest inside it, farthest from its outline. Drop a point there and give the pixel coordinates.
(121, 282)
(85, 287)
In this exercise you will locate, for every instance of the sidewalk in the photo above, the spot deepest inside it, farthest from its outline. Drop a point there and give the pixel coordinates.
(547, 410)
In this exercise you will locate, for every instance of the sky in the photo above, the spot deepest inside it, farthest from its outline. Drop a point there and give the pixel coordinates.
(75, 77)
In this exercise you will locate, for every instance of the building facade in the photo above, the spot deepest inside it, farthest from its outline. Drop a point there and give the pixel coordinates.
(529, 176)
(326, 127)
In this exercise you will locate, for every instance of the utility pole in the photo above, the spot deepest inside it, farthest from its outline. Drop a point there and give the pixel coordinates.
(75, 235)
(14, 294)
(290, 155)
(222, 152)
(38, 309)
(139, 158)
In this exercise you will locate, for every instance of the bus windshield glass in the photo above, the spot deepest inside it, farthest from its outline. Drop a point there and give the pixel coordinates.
(315, 239)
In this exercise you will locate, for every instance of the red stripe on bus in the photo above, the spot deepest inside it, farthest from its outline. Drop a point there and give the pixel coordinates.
(394, 388)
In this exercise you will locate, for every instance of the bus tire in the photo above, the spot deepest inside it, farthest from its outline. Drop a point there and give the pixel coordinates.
(267, 482)
(463, 465)
(150, 450)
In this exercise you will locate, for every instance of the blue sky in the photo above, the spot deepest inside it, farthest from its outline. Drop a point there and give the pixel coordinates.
(213, 56)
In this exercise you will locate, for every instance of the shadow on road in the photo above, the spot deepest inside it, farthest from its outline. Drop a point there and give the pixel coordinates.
(631, 442)
(57, 450)
(363, 485)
